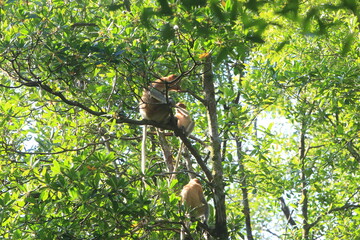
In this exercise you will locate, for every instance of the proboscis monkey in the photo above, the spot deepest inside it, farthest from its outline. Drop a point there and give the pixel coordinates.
(184, 122)
(192, 197)
(156, 106)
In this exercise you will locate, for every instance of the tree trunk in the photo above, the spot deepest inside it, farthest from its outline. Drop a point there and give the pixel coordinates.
(244, 191)
(218, 180)
(304, 192)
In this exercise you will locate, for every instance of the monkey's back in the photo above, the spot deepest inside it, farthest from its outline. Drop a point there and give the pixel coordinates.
(193, 198)
(152, 109)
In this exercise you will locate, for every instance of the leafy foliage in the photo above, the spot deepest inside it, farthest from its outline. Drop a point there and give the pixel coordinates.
(286, 77)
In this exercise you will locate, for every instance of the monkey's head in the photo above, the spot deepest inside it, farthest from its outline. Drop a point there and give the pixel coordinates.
(171, 83)
(195, 180)
(181, 105)
(169, 78)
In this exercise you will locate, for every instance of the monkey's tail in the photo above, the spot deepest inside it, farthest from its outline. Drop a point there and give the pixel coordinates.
(182, 145)
(143, 149)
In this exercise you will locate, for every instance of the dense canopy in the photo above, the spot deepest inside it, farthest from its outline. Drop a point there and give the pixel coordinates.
(272, 86)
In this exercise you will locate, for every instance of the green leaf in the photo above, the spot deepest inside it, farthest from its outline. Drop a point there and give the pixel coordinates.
(44, 195)
(217, 11)
(73, 193)
(145, 17)
(234, 12)
(165, 8)
(189, 4)
(55, 167)
(222, 54)
(347, 43)
(167, 32)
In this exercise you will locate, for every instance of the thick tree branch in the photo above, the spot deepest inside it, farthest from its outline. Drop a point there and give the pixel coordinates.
(286, 212)
(38, 83)
(70, 102)
(194, 152)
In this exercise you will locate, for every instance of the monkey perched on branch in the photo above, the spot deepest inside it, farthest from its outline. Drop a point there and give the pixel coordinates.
(186, 124)
(156, 106)
(154, 103)
(184, 120)
(192, 197)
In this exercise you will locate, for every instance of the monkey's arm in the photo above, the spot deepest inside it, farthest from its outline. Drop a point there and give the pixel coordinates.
(183, 111)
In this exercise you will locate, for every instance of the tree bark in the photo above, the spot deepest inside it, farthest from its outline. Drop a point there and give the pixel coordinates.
(244, 191)
(287, 212)
(166, 149)
(304, 192)
(218, 180)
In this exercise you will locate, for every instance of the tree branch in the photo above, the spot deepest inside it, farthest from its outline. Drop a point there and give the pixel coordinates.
(58, 152)
(286, 212)
(244, 190)
(344, 207)
(179, 132)
(168, 157)
(352, 150)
